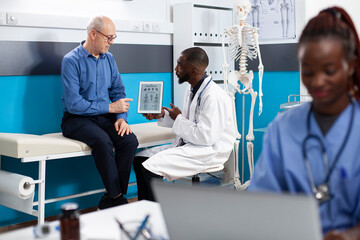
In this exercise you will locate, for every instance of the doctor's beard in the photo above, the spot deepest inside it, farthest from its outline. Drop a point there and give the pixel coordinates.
(184, 78)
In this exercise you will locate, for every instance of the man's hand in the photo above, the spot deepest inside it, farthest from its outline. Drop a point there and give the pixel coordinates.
(348, 234)
(336, 235)
(120, 106)
(122, 127)
(151, 116)
(173, 112)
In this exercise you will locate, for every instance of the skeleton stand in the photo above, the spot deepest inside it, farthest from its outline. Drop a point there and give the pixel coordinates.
(243, 44)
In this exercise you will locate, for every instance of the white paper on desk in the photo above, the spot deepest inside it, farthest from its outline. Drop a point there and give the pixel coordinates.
(99, 225)
(102, 224)
(14, 184)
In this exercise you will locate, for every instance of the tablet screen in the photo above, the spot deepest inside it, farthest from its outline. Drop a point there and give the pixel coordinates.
(150, 97)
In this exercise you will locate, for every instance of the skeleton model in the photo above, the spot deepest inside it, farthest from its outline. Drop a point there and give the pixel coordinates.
(285, 6)
(255, 13)
(243, 43)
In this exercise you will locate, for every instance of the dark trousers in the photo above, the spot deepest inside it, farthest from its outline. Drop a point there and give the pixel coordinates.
(143, 179)
(99, 133)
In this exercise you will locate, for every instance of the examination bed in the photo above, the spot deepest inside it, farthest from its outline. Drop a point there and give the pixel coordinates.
(40, 148)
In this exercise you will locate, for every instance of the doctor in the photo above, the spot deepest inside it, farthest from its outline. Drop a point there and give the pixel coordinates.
(205, 128)
(315, 148)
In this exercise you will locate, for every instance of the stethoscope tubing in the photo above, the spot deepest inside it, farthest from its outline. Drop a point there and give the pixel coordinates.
(325, 159)
(199, 99)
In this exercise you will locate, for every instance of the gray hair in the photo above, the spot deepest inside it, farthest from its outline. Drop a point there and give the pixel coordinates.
(96, 23)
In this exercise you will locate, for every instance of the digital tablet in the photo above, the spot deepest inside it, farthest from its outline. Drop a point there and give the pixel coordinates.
(150, 97)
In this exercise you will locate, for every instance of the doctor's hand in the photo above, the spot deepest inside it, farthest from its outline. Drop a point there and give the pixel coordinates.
(151, 116)
(173, 112)
(120, 105)
(122, 127)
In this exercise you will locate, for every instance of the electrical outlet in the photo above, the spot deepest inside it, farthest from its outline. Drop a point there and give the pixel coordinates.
(12, 18)
(156, 27)
(146, 27)
(137, 27)
(2, 18)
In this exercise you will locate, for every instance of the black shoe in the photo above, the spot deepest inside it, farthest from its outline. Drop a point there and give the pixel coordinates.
(107, 202)
(120, 201)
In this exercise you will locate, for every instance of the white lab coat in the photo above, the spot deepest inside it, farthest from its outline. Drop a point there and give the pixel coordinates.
(209, 140)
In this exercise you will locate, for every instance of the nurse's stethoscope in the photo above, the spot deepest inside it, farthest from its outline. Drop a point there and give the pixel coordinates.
(199, 101)
(322, 191)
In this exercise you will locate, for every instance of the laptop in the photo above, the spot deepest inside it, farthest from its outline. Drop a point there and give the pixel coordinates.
(198, 212)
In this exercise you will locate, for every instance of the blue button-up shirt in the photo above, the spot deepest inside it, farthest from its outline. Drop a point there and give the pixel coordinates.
(90, 84)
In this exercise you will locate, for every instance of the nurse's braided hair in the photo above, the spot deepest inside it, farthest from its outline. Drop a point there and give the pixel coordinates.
(335, 22)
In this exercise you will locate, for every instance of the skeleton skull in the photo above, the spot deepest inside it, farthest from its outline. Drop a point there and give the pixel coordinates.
(242, 8)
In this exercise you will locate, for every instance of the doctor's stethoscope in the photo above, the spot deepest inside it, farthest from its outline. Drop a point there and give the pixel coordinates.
(199, 101)
(322, 191)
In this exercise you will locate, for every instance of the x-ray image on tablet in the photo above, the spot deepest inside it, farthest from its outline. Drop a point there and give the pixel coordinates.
(150, 97)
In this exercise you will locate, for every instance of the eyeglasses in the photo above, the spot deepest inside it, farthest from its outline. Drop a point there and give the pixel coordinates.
(109, 38)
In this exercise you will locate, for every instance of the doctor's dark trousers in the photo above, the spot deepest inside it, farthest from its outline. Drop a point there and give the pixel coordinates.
(99, 133)
(143, 179)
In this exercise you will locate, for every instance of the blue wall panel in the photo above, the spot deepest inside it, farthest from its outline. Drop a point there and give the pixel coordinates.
(32, 104)
(277, 86)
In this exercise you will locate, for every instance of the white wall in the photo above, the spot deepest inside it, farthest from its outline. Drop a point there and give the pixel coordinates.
(43, 20)
(351, 6)
(312, 8)
(148, 10)
(51, 20)
(135, 13)
(118, 9)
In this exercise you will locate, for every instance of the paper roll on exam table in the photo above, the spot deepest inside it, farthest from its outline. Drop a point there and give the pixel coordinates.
(16, 185)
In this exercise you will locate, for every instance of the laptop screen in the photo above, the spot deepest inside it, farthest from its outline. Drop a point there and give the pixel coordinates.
(195, 212)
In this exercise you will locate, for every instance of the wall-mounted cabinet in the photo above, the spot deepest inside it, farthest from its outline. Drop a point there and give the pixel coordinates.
(201, 26)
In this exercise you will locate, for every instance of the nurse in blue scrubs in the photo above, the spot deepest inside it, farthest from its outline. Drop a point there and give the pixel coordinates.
(315, 148)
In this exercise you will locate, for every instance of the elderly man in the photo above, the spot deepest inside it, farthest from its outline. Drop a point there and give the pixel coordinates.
(95, 108)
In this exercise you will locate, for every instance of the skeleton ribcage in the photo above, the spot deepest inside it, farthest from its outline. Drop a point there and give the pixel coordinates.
(242, 46)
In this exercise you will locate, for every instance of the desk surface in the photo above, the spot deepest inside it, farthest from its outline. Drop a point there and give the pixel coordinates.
(101, 224)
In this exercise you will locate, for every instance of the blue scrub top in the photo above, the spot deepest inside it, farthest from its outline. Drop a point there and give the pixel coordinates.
(281, 166)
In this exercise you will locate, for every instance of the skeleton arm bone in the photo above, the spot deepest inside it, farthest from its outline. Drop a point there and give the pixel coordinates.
(225, 72)
(278, 3)
(225, 64)
(261, 69)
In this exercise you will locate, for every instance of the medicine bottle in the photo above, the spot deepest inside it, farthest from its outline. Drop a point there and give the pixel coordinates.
(69, 222)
